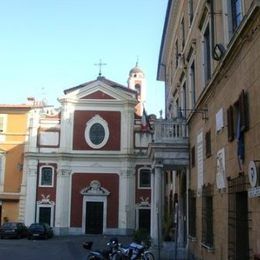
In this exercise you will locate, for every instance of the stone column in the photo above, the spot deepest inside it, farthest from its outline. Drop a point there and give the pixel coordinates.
(156, 205)
(30, 199)
(62, 213)
(126, 216)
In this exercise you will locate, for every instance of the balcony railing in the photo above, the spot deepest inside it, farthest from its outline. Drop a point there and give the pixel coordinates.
(169, 131)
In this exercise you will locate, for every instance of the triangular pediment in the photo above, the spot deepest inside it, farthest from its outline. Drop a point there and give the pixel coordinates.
(98, 95)
(100, 90)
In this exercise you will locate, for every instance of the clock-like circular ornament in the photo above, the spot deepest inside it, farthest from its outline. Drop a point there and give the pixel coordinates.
(96, 132)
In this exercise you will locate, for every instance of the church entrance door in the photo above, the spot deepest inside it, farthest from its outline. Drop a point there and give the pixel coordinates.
(145, 219)
(94, 217)
(45, 215)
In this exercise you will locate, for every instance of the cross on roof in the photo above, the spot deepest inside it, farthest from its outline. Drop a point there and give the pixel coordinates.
(100, 64)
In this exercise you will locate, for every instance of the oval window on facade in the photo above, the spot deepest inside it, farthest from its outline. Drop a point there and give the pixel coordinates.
(96, 132)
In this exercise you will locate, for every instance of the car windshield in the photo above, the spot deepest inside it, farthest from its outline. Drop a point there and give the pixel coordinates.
(9, 225)
(36, 226)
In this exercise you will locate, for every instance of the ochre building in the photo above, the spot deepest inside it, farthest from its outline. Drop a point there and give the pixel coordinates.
(210, 62)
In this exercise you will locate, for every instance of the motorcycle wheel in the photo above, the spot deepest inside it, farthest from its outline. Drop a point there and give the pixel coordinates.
(148, 256)
(116, 257)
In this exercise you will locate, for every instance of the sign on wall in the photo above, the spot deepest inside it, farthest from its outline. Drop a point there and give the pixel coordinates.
(253, 177)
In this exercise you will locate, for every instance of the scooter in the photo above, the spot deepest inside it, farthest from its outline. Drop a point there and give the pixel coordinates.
(109, 253)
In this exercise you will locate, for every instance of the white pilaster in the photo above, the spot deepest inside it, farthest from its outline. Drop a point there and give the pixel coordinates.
(62, 212)
(126, 216)
(127, 126)
(33, 125)
(66, 127)
(22, 201)
(30, 201)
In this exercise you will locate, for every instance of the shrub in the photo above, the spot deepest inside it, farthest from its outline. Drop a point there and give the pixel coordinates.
(142, 236)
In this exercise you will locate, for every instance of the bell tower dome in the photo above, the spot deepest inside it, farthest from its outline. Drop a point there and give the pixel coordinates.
(137, 81)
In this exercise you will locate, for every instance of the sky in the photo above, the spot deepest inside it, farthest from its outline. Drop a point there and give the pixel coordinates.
(48, 46)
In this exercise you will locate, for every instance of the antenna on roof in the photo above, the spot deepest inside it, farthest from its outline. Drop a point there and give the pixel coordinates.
(100, 64)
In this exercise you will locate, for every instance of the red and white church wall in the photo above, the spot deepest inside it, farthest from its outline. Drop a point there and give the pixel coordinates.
(106, 192)
(84, 121)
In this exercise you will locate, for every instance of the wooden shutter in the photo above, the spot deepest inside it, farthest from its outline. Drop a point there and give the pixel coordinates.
(243, 110)
(230, 124)
(193, 156)
(208, 144)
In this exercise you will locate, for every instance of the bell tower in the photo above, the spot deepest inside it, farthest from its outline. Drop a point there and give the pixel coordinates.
(137, 81)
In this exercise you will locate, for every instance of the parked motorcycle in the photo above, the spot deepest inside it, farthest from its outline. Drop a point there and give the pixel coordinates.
(109, 253)
(134, 251)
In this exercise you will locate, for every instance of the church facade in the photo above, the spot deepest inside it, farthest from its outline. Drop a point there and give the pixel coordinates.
(85, 169)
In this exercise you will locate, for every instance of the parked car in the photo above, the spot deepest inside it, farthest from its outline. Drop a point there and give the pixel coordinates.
(40, 230)
(13, 229)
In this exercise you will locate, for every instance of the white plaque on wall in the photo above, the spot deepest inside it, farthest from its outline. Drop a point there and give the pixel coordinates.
(49, 138)
(221, 171)
(219, 120)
